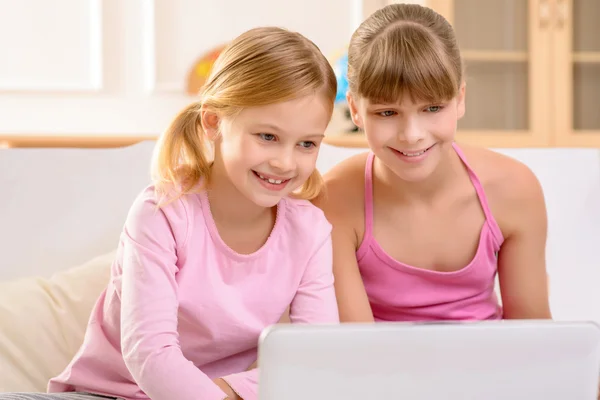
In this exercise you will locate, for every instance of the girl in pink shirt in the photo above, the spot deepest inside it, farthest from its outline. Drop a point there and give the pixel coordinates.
(421, 225)
(219, 246)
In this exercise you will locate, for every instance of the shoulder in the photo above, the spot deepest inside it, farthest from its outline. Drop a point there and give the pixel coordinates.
(504, 178)
(158, 215)
(347, 175)
(304, 215)
(342, 198)
(514, 192)
(305, 223)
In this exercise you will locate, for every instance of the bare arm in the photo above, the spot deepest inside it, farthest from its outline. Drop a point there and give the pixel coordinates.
(353, 303)
(522, 257)
(341, 209)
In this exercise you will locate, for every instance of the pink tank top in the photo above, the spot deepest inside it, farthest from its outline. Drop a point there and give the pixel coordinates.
(400, 292)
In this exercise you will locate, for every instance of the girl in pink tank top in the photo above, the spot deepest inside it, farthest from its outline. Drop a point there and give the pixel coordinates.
(401, 292)
(422, 227)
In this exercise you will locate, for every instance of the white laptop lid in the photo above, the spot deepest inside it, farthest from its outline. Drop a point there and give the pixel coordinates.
(453, 361)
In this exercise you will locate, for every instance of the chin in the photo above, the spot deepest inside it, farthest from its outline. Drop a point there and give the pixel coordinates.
(265, 201)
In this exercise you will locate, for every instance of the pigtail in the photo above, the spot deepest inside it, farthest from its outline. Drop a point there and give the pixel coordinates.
(311, 188)
(262, 66)
(180, 159)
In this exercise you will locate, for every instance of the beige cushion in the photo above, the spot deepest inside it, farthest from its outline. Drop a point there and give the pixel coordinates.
(42, 322)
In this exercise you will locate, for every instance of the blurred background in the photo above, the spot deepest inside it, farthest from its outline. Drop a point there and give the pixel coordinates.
(87, 85)
(98, 71)
(123, 68)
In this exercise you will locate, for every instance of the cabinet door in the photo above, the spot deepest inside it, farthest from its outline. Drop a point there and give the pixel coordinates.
(577, 73)
(506, 50)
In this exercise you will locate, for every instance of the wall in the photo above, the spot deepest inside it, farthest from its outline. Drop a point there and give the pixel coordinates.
(118, 67)
(80, 216)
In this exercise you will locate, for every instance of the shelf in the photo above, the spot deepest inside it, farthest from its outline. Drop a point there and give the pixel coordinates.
(347, 140)
(112, 141)
(71, 141)
(495, 56)
(500, 139)
(587, 57)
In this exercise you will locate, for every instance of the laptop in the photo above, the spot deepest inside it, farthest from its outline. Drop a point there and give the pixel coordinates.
(489, 360)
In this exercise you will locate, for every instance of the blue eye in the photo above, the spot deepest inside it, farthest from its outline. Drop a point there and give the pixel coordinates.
(308, 145)
(434, 109)
(268, 137)
(387, 113)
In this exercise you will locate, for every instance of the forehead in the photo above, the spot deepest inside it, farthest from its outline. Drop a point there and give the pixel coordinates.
(406, 101)
(307, 115)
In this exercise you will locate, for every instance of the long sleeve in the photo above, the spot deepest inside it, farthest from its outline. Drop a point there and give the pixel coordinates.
(181, 308)
(149, 337)
(245, 384)
(315, 300)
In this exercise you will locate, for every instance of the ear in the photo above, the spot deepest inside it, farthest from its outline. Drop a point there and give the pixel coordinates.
(352, 104)
(460, 100)
(210, 123)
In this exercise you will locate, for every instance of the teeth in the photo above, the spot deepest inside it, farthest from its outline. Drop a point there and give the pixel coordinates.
(274, 181)
(413, 154)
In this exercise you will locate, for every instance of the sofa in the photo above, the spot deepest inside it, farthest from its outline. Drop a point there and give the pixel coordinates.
(62, 211)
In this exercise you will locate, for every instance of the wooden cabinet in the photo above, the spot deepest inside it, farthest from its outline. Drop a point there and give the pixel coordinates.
(576, 56)
(532, 71)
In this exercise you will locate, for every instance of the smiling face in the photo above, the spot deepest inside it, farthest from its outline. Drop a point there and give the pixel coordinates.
(268, 152)
(409, 137)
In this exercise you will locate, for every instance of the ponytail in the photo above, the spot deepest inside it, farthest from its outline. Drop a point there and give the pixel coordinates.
(262, 66)
(180, 161)
(311, 188)
(180, 157)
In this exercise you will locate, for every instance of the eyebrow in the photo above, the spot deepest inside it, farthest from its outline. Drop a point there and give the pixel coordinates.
(267, 126)
(275, 128)
(316, 135)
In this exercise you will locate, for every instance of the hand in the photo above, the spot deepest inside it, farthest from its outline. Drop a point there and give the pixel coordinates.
(285, 318)
(231, 395)
(254, 365)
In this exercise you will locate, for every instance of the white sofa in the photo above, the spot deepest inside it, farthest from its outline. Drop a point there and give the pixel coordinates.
(62, 210)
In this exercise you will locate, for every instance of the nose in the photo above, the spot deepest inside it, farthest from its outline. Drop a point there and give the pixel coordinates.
(412, 132)
(284, 160)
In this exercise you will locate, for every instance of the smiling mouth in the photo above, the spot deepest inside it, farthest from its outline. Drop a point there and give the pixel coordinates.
(270, 180)
(415, 154)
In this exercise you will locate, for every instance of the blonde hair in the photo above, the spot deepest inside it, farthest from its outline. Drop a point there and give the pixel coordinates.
(404, 47)
(260, 67)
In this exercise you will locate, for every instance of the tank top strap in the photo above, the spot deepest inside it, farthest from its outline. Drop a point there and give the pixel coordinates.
(491, 221)
(369, 196)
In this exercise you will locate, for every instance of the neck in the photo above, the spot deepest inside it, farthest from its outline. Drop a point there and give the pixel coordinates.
(228, 205)
(427, 191)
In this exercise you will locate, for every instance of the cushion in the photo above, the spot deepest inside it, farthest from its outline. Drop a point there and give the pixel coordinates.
(42, 322)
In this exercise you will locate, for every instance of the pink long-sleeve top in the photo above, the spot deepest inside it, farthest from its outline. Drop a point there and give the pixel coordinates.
(182, 308)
